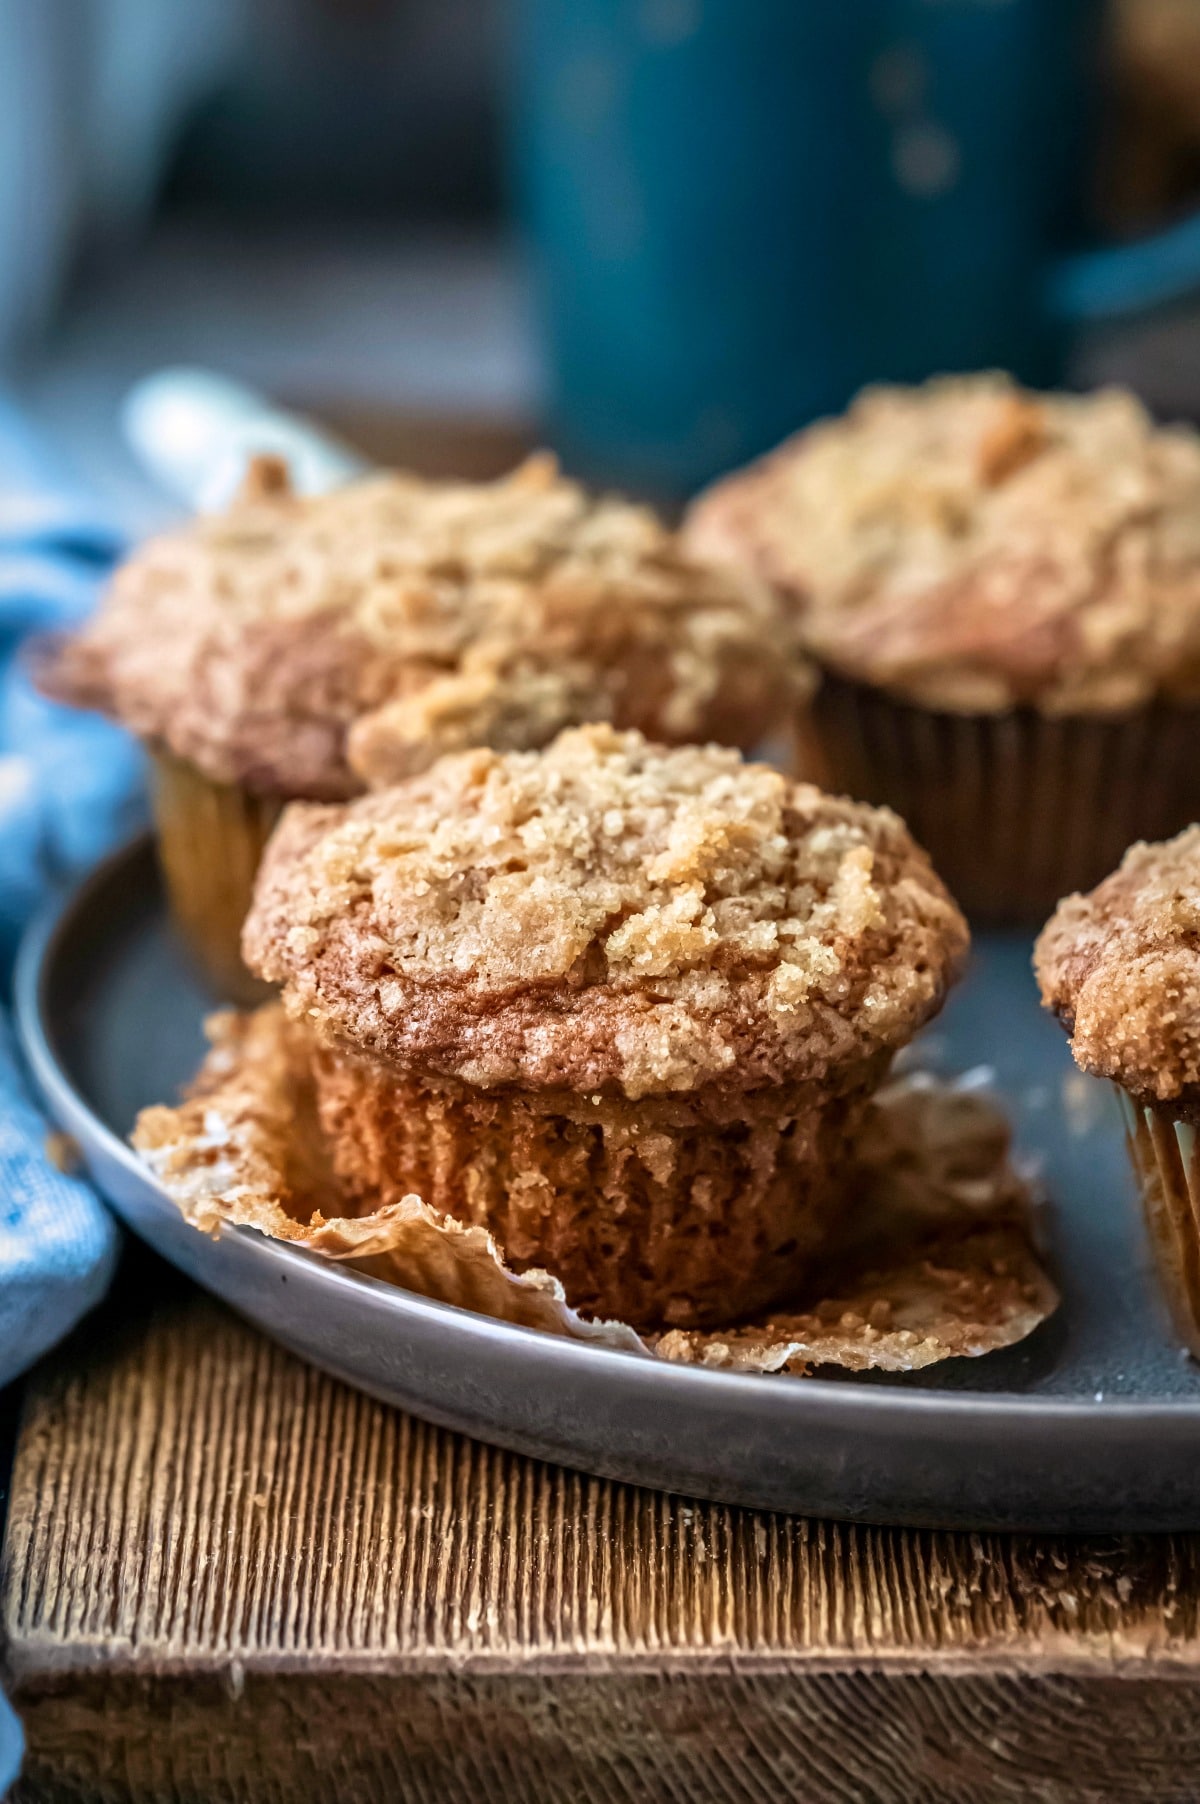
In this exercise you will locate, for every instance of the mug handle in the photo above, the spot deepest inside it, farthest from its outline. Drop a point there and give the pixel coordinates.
(1122, 279)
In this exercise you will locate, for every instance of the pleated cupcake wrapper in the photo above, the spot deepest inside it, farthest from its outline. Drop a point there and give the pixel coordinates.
(210, 841)
(943, 1261)
(703, 1216)
(1165, 1157)
(1016, 810)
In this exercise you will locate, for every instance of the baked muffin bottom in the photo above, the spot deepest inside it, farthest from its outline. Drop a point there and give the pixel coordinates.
(1015, 809)
(666, 1212)
(211, 838)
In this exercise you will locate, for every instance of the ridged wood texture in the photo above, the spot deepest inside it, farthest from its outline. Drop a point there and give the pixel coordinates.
(228, 1577)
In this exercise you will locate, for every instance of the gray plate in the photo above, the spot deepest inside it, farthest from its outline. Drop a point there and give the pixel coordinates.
(1092, 1424)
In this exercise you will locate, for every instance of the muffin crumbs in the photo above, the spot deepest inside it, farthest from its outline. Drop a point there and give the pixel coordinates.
(606, 912)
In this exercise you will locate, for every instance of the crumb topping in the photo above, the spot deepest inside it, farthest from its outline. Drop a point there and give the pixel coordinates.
(309, 646)
(606, 912)
(972, 546)
(1121, 969)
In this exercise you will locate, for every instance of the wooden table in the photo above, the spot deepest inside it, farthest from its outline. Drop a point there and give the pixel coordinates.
(225, 1576)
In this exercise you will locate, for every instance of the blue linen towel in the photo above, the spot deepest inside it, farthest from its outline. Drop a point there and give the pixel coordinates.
(69, 788)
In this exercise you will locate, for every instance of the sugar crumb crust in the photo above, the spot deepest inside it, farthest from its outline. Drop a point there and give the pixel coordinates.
(1120, 967)
(974, 546)
(310, 646)
(606, 912)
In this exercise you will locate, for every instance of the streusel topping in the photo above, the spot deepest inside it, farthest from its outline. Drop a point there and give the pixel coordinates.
(306, 646)
(606, 912)
(972, 546)
(1121, 969)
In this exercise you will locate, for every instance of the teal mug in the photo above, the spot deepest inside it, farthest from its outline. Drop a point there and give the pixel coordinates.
(739, 211)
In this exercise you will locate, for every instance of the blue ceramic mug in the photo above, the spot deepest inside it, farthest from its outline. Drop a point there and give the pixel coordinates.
(741, 210)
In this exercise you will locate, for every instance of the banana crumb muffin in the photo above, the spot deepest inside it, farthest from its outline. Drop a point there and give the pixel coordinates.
(1121, 970)
(618, 1003)
(308, 647)
(1003, 590)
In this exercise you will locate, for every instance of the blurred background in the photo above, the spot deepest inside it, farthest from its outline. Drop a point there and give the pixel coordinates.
(658, 233)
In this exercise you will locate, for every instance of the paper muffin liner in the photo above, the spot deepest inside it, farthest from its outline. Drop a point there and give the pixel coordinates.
(1165, 1157)
(941, 1261)
(210, 840)
(685, 1210)
(1015, 810)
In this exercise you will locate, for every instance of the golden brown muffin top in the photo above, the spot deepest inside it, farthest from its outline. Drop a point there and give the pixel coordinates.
(969, 545)
(606, 913)
(308, 646)
(1121, 970)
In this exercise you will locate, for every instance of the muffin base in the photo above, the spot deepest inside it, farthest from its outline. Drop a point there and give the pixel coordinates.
(943, 1261)
(1015, 810)
(1166, 1157)
(662, 1213)
(210, 840)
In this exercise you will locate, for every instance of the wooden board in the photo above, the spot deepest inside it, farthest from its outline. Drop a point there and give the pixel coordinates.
(226, 1576)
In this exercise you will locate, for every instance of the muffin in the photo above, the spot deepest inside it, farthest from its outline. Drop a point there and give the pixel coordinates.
(621, 1005)
(1121, 970)
(1002, 590)
(308, 647)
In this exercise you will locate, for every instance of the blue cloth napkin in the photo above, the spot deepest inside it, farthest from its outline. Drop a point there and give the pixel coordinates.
(69, 789)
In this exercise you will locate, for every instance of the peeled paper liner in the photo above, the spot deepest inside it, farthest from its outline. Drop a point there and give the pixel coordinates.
(942, 1263)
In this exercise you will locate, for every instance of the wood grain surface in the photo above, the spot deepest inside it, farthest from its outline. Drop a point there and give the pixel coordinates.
(228, 1577)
